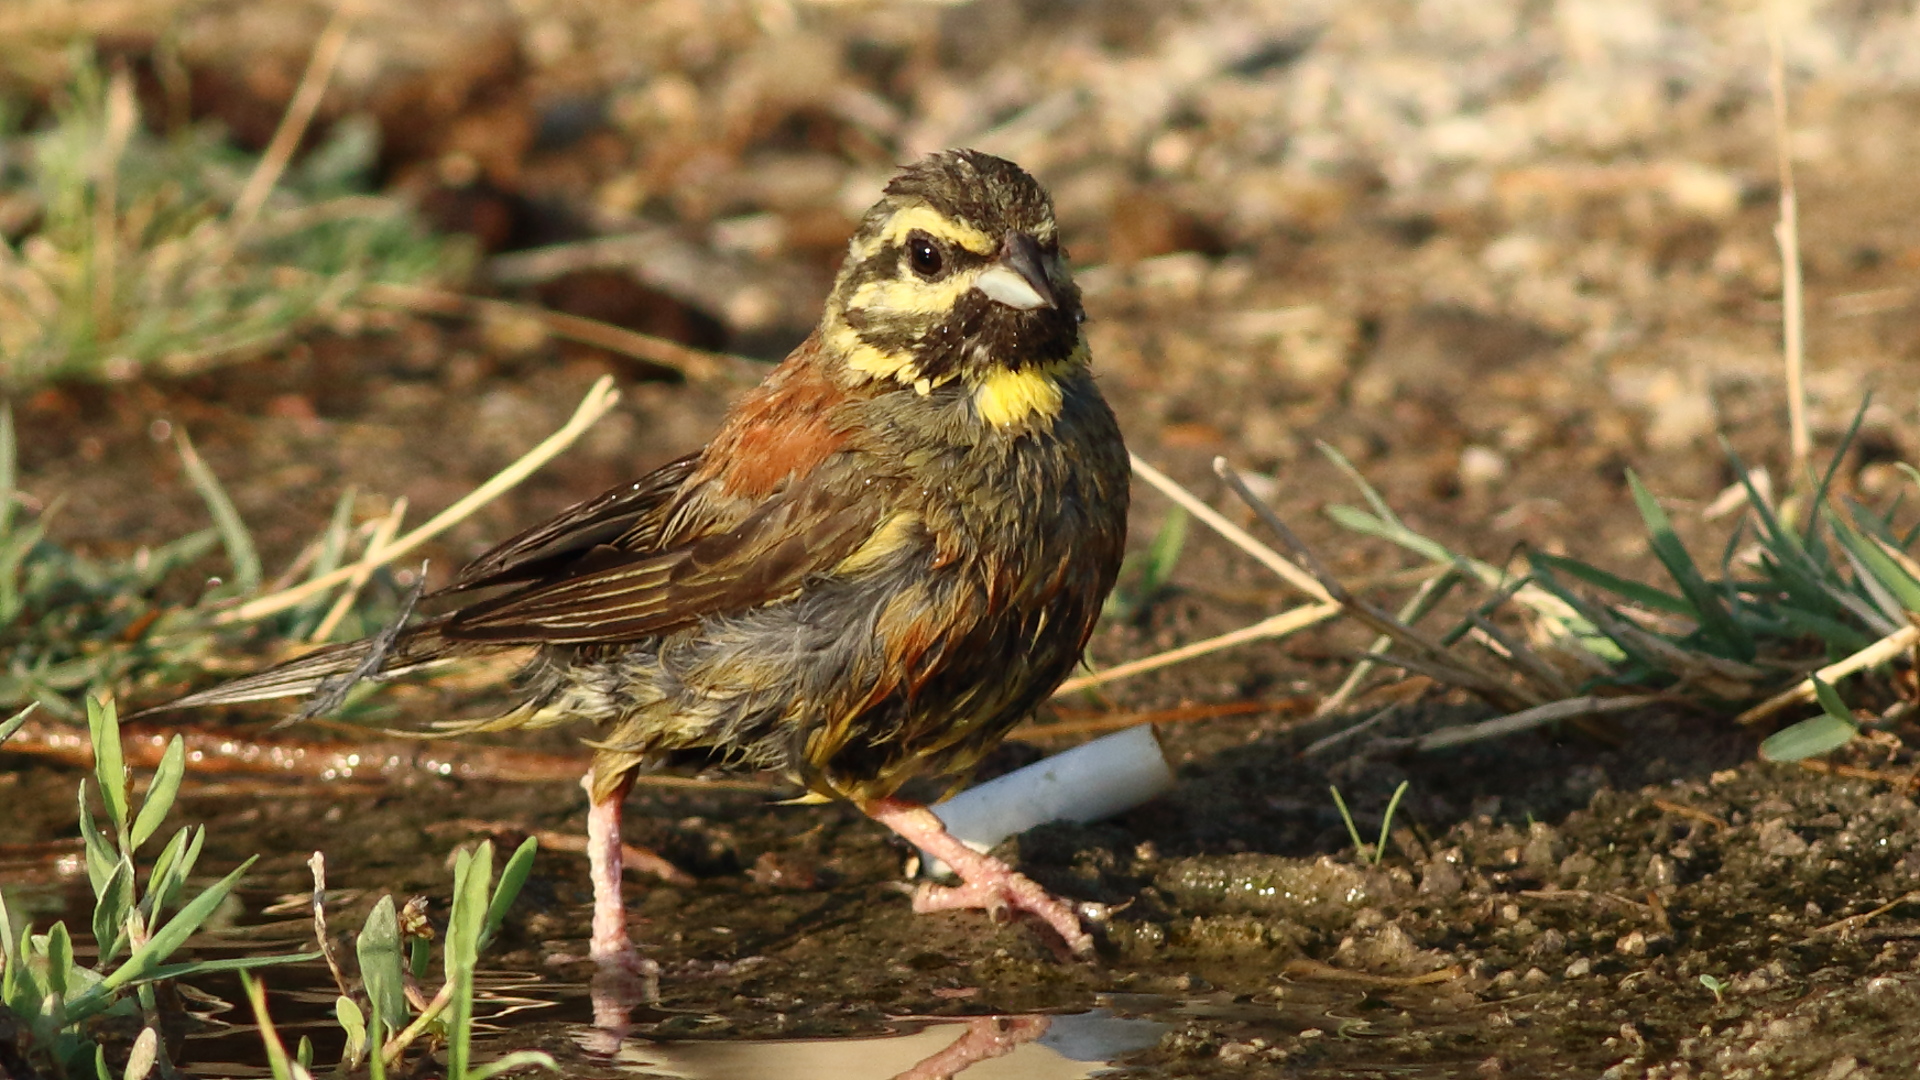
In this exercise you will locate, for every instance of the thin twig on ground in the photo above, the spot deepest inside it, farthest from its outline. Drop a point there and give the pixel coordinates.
(597, 402)
(383, 535)
(1880, 652)
(299, 114)
(1275, 626)
(1569, 709)
(696, 364)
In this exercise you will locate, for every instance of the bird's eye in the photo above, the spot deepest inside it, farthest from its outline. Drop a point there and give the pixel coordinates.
(924, 255)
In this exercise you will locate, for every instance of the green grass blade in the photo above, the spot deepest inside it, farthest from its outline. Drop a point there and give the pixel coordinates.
(14, 723)
(233, 531)
(160, 793)
(471, 877)
(191, 968)
(1839, 638)
(1879, 567)
(1833, 465)
(100, 856)
(519, 1059)
(1709, 606)
(1632, 591)
(1374, 499)
(277, 1060)
(512, 876)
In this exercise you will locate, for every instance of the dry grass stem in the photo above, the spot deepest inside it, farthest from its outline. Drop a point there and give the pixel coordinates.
(293, 123)
(1275, 626)
(1880, 652)
(1786, 234)
(1430, 593)
(1234, 534)
(1539, 715)
(377, 544)
(599, 399)
(696, 364)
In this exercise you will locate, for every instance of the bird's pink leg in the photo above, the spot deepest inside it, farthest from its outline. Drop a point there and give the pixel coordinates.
(633, 979)
(987, 1037)
(985, 882)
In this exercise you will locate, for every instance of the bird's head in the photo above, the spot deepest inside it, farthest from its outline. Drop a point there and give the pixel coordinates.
(957, 274)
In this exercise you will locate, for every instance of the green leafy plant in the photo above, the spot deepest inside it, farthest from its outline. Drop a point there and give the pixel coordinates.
(1371, 855)
(138, 927)
(1715, 984)
(138, 262)
(382, 1021)
(1840, 590)
(69, 621)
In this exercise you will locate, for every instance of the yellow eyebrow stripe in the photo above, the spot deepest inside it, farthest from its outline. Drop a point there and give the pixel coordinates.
(940, 227)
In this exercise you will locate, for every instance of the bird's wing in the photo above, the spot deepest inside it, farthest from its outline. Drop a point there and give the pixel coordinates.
(627, 518)
(807, 528)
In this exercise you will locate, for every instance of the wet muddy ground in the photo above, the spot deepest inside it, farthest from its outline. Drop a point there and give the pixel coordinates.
(1496, 260)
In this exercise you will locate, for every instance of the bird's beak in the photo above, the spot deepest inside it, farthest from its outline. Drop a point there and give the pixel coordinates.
(1018, 278)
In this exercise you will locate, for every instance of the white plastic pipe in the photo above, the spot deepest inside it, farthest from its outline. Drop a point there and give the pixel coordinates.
(1108, 776)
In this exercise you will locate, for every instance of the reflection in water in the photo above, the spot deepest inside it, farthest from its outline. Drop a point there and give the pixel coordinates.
(984, 1048)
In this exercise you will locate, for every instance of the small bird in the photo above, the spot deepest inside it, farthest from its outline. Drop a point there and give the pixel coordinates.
(892, 550)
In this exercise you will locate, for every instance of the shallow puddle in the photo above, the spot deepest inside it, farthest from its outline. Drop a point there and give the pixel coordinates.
(1027, 1047)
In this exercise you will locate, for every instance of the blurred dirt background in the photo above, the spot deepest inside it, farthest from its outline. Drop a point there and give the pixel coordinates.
(1495, 252)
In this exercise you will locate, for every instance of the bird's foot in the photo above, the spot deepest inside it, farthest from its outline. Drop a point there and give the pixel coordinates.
(1000, 890)
(985, 882)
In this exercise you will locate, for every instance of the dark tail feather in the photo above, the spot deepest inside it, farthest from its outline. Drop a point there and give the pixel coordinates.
(329, 672)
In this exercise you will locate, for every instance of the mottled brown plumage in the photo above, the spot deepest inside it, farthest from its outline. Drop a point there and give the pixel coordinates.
(891, 551)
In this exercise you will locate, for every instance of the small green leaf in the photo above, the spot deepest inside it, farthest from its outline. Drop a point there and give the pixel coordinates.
(110, 912)
(100, 855)
(303, 1053)
(59, 958)
(1830, 701)
(13, 723)
(512, 877)
(9, 951)
(233, 531)
(379, 949)
(1808, 738)
(160, 793)
(103, 724)
(162, 870)
(471, 877)
(354, 1023)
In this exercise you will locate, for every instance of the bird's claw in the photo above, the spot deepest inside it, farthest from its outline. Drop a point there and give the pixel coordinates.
(1001, 896)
